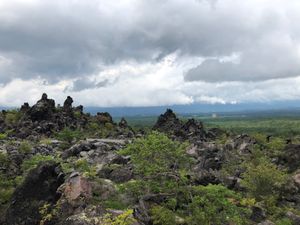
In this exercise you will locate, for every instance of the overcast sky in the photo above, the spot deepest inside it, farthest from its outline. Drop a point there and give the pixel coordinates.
(149, 52)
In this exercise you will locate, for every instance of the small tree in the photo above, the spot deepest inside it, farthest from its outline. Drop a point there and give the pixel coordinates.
(158, 160)
(262, 179)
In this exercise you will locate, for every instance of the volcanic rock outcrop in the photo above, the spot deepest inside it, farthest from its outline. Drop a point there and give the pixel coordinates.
(38, 188)
(170, 124)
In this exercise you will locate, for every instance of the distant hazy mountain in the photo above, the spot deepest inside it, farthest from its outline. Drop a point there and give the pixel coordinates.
(198, 108)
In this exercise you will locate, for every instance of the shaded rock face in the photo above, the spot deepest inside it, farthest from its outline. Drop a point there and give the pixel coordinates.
(25, 107)
(118, 174)
(167, 122)
(291, 157)
(39, 187)
(42, 110)
(191, 130)
(104, 118)
(44, 118)
(123, 123)
(68, 104)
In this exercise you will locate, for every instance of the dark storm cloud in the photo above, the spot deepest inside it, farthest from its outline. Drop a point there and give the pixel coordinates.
(54, 40)
(83, 84)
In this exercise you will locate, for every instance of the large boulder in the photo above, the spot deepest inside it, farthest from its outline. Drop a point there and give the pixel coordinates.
(76, 188)
(39, 188)
(291, 157)
(42, 110)
(68, 104)
(167, 122)
(104, 117)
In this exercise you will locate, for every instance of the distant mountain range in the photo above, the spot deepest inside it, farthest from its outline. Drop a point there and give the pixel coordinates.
(245, 108)
(267, 108)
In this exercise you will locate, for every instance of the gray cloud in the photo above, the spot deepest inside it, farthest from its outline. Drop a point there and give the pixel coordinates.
(83, 84)
(267, 60)
(64, 39)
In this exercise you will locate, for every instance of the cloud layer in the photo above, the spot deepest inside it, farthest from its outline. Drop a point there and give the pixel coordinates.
(112, 53)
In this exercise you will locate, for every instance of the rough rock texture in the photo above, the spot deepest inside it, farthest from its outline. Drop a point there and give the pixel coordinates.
(42, 110)
(169, 123)
(266, 222)
(103, 118)
(77, 187)
(291, 157)
(38, 188)
(123, 123)
(68, 104)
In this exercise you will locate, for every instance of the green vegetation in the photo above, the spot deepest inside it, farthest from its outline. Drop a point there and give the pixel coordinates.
(278, 126)
(125, 218)
(12, 116)
(68, 135)
(25, 147)
(156, 154)
(87, 170)
(162, 215)
(215, 204)
(159, 161)
(166, 178)
(34, 161)
(263, 180)
(3, 136)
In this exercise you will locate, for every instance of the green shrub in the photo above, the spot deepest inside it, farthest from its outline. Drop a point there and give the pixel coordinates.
(284, 221)
(25, 147)
(215, 204)
(162, 216)
(34, 161)
(134, 188)
(3, 160)
(77, 114)
(3, 136)
(45, 141)
(159, 162)
(263, 179)
(12, 117)
(93, 126)
(114, 204)
(6, 189)
(156, 154)
(125, 218)
(69, 135)
(83, 166)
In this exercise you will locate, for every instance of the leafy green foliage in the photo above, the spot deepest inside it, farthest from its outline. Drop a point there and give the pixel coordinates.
(34, 161)
(3, 160)
(25, 147)
(12, 116)
(157, 160)
(125, 218)
(263, 179)
(3, 136)
(6, 189)
(284, 221)
(162, 216)
(69, 135)
(156, 154)
(215, 204)
(83, 166)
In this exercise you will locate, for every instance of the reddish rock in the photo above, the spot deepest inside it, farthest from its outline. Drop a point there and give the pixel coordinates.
(77, 187)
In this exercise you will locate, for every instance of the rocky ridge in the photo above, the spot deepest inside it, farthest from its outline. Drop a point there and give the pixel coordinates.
(82, 174)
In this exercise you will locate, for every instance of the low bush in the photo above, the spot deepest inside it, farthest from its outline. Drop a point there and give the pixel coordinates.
(215, 204)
